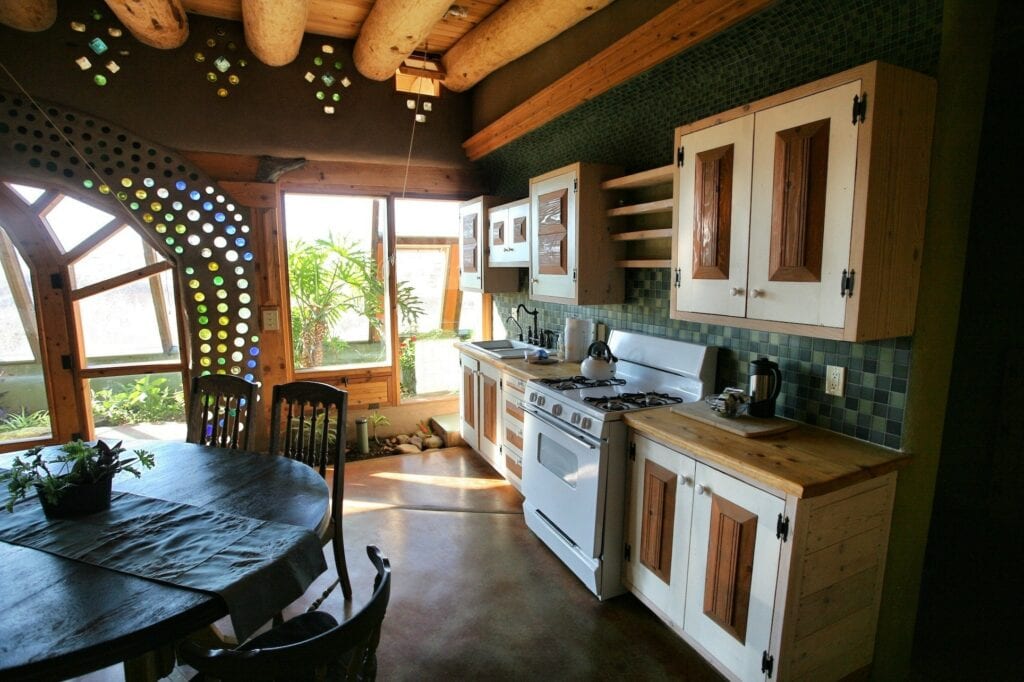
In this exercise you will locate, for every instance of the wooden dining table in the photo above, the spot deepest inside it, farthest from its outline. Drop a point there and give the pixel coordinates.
(61, 617)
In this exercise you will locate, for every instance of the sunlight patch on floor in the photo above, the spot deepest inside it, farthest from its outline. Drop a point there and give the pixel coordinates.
(445, 481)
(355, 506)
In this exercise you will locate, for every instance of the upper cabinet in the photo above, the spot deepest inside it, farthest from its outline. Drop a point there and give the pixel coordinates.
(640, 219)
(475, 271)
(508, 234)
(804, 212)
(570, 258)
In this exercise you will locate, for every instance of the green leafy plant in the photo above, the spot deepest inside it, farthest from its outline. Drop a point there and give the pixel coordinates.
(148, 399)
(15, 421)
(377, 419)
(329, 279)
(77, 463)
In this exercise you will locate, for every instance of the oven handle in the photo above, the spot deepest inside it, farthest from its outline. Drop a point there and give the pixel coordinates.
(560, 427)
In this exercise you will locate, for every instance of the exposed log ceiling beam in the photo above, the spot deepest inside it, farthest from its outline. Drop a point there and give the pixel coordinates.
(678, 28)
(157, 23)
(393, 29)
(274, 29)
(516, 28)
(29, 15)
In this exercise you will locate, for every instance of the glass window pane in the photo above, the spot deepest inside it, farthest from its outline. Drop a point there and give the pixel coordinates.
(138, 406)
(422, 279)
(426, 218)
(123, 252)
(24, 409)
(72, 221)
(29, 194)
(131, 323)
(337, 274)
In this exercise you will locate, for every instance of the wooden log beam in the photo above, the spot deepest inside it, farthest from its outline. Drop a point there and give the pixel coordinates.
(392, 30)
(516, 28)
(29, 15)
(680, 27)
(274, 29)
(158, 23)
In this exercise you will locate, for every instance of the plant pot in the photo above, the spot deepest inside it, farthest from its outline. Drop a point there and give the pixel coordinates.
(78, 500)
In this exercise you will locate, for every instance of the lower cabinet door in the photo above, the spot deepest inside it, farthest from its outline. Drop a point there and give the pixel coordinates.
(734, 564)
(489, 429)
(658, 531)
(468, 401)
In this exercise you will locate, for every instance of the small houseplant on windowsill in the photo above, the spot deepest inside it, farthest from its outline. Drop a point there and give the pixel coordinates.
(73, 481)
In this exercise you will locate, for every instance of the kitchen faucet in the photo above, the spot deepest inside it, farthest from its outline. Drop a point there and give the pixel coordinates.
(512, 319)
(531, 332)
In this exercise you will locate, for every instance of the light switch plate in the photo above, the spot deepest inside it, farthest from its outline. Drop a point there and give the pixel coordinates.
(271, 319)
(835, 381)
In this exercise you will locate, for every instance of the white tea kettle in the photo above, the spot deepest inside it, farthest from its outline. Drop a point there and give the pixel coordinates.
(599, 363)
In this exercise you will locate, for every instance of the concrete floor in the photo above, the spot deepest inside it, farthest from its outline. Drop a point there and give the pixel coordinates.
(475, 595)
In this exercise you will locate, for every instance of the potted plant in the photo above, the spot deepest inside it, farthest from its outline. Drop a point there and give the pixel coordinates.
(72, 479)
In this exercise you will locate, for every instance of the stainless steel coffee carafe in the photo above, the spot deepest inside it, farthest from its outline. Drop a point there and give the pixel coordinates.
(765, 385)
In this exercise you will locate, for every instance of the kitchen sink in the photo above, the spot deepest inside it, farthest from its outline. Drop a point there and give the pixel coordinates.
(503, 348)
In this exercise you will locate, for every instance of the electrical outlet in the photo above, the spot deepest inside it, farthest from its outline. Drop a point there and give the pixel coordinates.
(835, 381)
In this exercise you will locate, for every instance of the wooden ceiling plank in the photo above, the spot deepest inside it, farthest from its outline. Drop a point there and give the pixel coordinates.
(516, 28)
(274, 29)
(158, 23)
(391, 32)
(29, 15)
(678, 28)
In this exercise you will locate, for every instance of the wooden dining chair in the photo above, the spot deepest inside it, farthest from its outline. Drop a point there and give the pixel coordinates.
(220, 411)
(307, 423)
(310, 646)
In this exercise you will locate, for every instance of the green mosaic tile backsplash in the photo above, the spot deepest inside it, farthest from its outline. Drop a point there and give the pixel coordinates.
(793, 42)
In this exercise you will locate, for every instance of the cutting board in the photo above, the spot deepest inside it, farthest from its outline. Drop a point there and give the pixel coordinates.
(743, 425)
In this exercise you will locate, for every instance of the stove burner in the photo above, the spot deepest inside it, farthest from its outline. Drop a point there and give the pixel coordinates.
(632, 401)
(569, 383)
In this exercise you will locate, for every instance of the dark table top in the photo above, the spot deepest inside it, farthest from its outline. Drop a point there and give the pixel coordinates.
(60, 618)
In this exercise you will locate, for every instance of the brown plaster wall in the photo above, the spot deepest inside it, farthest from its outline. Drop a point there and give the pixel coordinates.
(163, 96)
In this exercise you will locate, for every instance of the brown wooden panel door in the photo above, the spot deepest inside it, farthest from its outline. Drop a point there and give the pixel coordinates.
(659, 513)
(491, 416)
(730, 566)
(498, 232)
(553, 233)
(798, 203)
(519, 230)
(470, 246)
(712, 209)
(469, 397)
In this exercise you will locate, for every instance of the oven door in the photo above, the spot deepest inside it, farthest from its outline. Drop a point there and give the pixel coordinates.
(564, 479)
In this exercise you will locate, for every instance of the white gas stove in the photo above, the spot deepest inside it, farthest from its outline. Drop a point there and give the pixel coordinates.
(574, 451)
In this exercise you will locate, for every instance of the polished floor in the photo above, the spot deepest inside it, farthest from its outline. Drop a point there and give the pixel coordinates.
(475, 595)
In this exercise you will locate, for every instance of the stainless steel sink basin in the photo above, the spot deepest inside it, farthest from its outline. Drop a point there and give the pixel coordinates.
(503, 348)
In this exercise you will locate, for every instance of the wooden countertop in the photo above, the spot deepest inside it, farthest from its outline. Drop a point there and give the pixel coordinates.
(804, 462)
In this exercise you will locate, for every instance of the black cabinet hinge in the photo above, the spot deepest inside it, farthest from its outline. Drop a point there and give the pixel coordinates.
(860, 108)
(767, 663)
(629, 551)
(574, 274)
(632, 452)
(57, 280)
(575, 185)
(846, 284)
(782, 528)
(680, 154)
(65, 362)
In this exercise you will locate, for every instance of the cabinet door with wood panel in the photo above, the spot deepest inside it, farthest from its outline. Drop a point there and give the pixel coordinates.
(658, 525)
(468, 400)
(513, 391)
(734, 564)
(490, 415)
(475, 271)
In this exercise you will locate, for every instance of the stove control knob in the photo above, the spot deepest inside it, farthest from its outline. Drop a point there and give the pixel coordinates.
(533, 396)
(585, 423)
(556, 409)
(575, 419)
(540, 400)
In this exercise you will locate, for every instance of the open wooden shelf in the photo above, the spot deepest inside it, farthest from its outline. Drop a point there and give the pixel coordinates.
(647, 178)
(642, 222)
(645, 263)
(660, 206)
(635, 235)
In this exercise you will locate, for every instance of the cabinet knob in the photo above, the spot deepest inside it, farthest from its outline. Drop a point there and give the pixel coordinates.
(756, 293)
(534, 280)
(736, 291)
(703, 489)
(685, 480)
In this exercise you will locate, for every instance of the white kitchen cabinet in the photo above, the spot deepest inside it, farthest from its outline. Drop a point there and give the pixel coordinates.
(571, 259)
(508, 234)
(513, 392)
(763, 584)
(480, 409)
(475, 271)
(803, 212)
